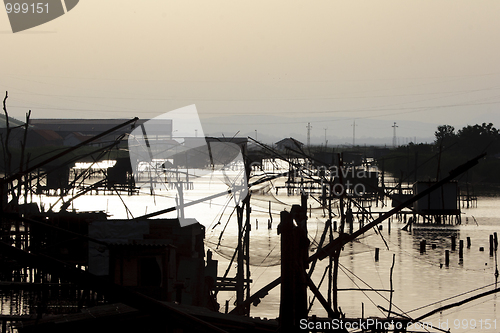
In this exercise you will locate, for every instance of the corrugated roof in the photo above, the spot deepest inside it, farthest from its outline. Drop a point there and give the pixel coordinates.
(48, 135)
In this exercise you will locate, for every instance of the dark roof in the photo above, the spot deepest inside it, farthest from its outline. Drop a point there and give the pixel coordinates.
(290, 140)
(48, 134)
(90, 125)
(80, 136)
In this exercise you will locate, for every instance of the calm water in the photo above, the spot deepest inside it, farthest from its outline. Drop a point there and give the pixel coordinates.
(421, 282)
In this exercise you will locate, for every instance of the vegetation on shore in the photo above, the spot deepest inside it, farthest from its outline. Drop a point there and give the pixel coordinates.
(450, 149)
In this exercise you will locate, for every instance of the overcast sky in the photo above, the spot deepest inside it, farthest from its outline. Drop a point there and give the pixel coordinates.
(416, 62)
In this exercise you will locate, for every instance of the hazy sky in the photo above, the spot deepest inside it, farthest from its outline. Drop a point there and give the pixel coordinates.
(434, 62)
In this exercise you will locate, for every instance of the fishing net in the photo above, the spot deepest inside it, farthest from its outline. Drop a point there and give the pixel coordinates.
(265, 244)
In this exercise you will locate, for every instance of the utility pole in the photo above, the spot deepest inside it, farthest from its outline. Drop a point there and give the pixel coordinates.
(354, 133)
(394, 140)
(308, 134)
(326, 141)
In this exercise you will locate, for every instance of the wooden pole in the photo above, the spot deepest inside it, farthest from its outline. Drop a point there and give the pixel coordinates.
(461, 249)
(423, 243)
(270, 224)
(390, 297)
(246, 255)
(240, 259)
(491, 245)
(335, 304)
(286, 318)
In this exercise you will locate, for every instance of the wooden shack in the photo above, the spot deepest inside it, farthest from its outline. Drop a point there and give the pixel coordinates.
(440, 206)
(157, 258)
(57, 179)
(120, 175)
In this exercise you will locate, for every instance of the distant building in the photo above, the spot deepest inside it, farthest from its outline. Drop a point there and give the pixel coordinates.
(16, 134)
(93, 127)
(76, 138)
(42, 138)
(12, 122)
(288, 143)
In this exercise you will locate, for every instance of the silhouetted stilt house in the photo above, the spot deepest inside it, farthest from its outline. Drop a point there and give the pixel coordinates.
(442, 206)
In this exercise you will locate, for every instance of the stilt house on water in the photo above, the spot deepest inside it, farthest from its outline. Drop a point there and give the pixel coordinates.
(439, 207)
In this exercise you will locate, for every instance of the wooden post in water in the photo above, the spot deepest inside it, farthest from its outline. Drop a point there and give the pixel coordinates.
(495, 240)
(423, 243)
(270, 223)
(491, 245)
(453, 242)
(461, 250)
(447, 258)
(468, 242)
(377, 250)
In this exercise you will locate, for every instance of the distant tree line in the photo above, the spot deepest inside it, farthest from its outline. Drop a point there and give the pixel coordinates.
(450, 149)
(472, 140)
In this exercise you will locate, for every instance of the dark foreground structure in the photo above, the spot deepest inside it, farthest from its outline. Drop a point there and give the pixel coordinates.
(149, 274)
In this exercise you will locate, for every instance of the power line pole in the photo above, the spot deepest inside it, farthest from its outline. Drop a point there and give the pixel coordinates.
(394, 140)
(326, 141)
(354, 133)
(308, 134)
